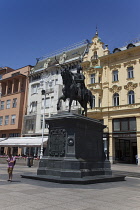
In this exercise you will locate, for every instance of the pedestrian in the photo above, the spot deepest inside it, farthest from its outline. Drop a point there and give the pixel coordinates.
(136, 156)
(11, 162)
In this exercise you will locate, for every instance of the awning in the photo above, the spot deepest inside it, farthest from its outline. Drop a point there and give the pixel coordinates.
(2, 139)
(23, 142)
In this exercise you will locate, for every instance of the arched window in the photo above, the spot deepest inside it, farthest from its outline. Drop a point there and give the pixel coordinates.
(131, 97)
(93, 101)
(116, 99)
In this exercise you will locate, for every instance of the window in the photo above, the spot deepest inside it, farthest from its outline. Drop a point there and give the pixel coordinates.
(36, 77)
(45, 124)
(56, 82)
(130, 72)
(116, 125)
(33, 106)
(93, 101)
(43, 102)
(30, 125)
(1, 119)
(52, 101)
(13, 119)
(34, 88)
(8, 104)
(92, 78)
(14, 102)
(131, 97)
(6, 119)
(116, 99)
(14, 135)
(115, 75)
(124, 124)
(99, 101)
(2, 105)
(47, 102)
(95, 55)
(132, 124)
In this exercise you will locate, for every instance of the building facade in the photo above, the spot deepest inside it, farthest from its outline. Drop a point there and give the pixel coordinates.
(14, 90)
(114, 79)
(45, 87)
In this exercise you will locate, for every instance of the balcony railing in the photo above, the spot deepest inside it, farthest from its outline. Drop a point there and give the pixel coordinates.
(95, 86)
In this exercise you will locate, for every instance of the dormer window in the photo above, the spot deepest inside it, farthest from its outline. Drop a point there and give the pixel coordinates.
(116, 50)
(130, 46)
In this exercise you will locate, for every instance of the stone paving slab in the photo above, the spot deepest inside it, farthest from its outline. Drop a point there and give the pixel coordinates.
(30, 194)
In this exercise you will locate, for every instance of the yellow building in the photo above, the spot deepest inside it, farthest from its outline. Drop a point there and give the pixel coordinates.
(114, 79)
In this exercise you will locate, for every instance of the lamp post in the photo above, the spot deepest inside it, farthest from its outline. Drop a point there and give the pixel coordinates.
(43, 122)
(44, 92)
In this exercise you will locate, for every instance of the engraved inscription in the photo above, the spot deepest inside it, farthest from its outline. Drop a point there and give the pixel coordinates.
(57, 142)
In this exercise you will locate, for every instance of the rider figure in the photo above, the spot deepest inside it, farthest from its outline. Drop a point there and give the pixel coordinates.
(79, 81)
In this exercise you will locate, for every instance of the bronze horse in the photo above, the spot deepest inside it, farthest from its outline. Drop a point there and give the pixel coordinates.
(70, 91)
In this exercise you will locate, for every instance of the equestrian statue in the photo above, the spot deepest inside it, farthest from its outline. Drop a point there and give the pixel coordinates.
(74, 89)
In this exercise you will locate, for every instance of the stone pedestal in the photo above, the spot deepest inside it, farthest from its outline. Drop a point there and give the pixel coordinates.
(75, 148)
(75, 152)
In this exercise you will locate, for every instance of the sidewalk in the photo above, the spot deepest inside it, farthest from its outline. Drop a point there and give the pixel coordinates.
(27, 194)
(126, 169)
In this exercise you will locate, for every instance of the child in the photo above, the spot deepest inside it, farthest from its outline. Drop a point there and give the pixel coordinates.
(11, 163)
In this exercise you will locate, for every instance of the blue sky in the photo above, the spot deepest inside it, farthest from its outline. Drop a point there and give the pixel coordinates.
(33, 28)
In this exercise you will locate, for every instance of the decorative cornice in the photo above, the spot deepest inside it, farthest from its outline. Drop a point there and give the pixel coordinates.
(114, 67)
(130, 86)
(130, 63)
(115, 88)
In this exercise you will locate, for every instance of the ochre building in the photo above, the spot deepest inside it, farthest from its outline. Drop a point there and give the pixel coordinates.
(114, 79)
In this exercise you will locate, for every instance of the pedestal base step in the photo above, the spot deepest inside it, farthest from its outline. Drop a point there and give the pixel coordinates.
(84, 180)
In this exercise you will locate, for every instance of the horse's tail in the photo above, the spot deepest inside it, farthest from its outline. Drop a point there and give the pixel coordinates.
(90, 99)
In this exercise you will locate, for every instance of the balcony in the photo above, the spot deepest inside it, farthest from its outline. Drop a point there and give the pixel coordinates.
(95, 86)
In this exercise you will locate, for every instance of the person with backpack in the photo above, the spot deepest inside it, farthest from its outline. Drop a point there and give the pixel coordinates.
(11, 162)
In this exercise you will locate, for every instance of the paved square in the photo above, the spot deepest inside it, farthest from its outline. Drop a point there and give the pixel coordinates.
(32, 194)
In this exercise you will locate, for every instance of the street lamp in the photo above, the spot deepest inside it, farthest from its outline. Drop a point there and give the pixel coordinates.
(43, 123)
(44, 92)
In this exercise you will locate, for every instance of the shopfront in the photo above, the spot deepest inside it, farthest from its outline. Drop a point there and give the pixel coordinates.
(125, 150)
(125, 140)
